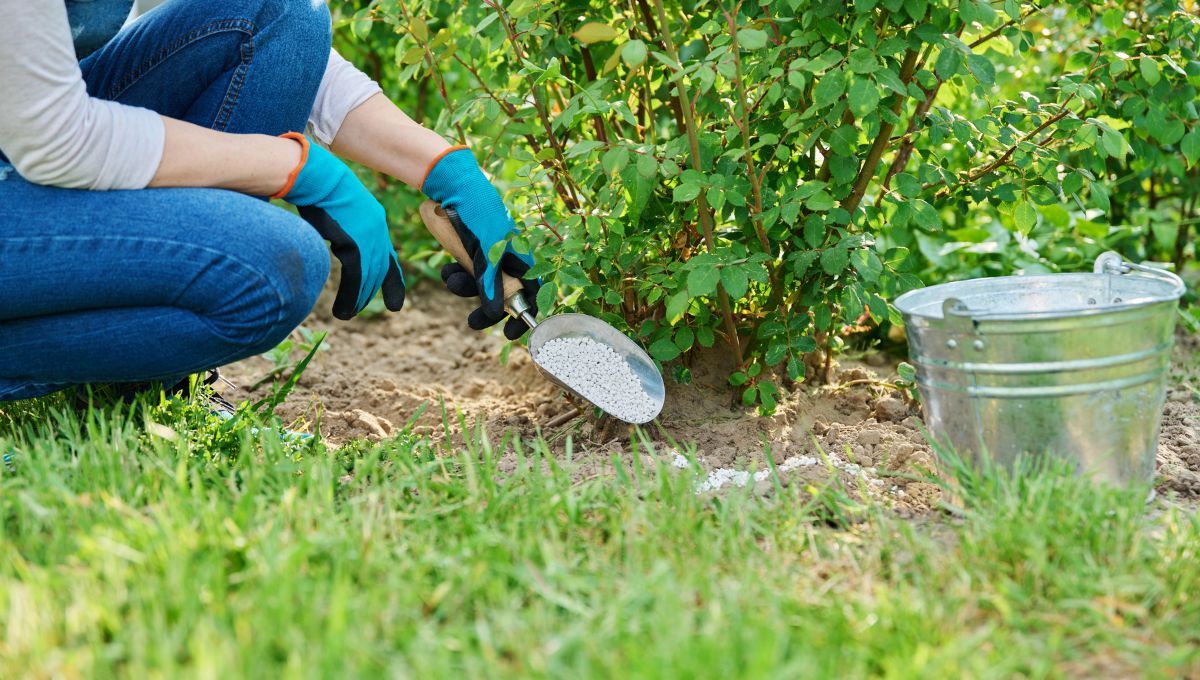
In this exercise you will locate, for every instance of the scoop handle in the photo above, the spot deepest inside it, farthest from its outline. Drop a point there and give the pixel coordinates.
(439, 225)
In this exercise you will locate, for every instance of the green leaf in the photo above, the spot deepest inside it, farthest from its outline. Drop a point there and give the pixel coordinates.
(895, 257)
(1150, 70)
(925, 215)
(520, 8)
(546, 297)
(750, 395)
(776, 352)
(829, 88)
(906, 371)
(803, 344)
(752, 39)
(823, 317)
(819, 201)
(949, 60)
(834, 260)
(766, 394)
(982, 68)
(647, 166)
(686, 192)
(664, 350)
(738, 378)
(703, 281)
(1072, 183)
(862, 61)
(735, 281)
(677, 304)
(684, 337)
(412, 55)
(1190, 146)
(582, 147)
(863, 97)
(795, 369)
(633, 53)
(615, 159)
(360, 26)
(867, 264)
(977, 11)
(888, 78)
(822, 61)
(907, 185)
(418, 30)
(1025, 216)
(1113, 142)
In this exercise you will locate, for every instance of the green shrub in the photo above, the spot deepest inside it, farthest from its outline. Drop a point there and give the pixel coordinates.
(769, 175)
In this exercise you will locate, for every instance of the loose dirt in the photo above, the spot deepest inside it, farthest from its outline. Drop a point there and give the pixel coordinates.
(424, 366)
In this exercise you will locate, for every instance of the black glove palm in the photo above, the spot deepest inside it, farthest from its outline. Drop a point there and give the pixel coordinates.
(463, 284)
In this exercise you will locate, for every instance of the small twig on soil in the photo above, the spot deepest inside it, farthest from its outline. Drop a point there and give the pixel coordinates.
(564, 418)
(867, 381)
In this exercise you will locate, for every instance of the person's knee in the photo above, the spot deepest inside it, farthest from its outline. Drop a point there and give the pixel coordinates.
(304, 25)
(268, 282)
(297, 271)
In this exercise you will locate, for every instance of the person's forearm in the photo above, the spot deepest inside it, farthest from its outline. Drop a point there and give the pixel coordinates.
(195, 156)
(382, 137)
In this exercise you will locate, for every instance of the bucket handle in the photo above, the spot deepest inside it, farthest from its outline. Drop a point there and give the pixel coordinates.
(958, 315)
(1112, 263)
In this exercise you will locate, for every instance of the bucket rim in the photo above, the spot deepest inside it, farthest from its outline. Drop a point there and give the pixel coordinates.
(905, 303)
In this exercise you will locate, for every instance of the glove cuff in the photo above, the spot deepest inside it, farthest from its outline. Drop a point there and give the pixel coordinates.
(318, 177)
(445, 169)
(291, 178)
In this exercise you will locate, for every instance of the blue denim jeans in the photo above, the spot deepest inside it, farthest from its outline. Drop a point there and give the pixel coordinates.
(154, 284)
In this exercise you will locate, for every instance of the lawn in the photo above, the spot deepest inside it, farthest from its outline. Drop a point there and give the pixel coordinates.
(163, 543)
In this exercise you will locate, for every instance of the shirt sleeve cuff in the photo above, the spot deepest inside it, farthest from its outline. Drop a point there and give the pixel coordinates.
(343, 88)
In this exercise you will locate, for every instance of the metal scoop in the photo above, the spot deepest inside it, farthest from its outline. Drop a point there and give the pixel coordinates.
(554, 327)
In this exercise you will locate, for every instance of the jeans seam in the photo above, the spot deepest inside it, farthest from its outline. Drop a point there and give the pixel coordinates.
(280, 302)
(238, 25)
(236, 81)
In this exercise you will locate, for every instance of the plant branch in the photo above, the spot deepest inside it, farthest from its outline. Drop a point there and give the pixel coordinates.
(882, 138)
(703, 210)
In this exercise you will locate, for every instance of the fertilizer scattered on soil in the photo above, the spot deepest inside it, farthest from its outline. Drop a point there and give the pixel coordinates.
(380, 376)
(599, 375)
(722, 476)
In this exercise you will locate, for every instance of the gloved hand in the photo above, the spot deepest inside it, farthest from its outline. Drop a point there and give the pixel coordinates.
(331, 198)
(461, 283)
(481, 220)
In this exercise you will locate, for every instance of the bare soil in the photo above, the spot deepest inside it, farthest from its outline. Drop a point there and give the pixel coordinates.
(424, 366)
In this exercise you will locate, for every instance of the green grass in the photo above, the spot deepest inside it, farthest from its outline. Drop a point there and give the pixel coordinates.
(188, 548)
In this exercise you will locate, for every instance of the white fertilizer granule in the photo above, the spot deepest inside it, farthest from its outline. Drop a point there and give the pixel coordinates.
(723, 476)
(599, 375)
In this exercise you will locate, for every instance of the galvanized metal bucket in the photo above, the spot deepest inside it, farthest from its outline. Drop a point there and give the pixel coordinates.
(1067, 365)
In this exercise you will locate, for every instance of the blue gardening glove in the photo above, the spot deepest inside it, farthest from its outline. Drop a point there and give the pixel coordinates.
(331, 198)
(481, 220)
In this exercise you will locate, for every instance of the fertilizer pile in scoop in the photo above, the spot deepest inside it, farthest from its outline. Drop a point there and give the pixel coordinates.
(599, 375)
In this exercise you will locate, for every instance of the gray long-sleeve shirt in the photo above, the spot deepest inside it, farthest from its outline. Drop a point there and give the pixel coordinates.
(54, 133)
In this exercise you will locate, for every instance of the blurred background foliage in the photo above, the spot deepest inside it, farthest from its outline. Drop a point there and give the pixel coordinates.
(765, 177)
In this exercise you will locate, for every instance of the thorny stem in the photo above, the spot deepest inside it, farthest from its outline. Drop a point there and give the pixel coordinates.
(744, 124)
(702, 208)
(1004, 157)
(881, 140)
(1181, 238)
(756, 179)
(539, 105)
(589, 70)
(908, 139)
(652, 27)
(435, 72)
